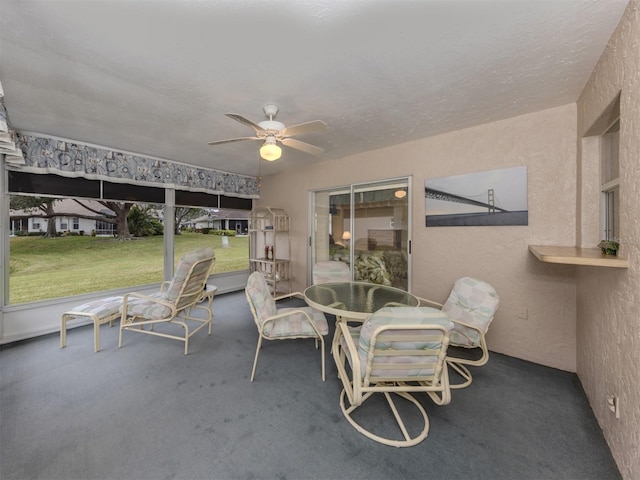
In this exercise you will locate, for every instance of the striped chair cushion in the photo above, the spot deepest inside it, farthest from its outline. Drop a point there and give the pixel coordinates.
(297, 323)
(103, 308)
(258, 290)
(402, 316)
(148, 309)
(182, 270)
(473, 302)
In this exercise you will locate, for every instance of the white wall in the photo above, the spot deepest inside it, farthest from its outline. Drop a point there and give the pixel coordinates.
(584, 319)
(608, 301)
(84, 224)
(545, 142)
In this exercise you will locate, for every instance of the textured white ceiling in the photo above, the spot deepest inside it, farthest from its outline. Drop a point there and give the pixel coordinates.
(157, 76)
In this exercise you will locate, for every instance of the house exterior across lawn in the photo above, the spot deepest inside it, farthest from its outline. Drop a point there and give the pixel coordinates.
(70, 216)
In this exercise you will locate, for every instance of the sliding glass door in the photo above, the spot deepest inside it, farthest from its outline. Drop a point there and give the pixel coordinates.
(366, 226)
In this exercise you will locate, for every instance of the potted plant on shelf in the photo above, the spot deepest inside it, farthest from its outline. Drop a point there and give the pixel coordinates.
(609, 247)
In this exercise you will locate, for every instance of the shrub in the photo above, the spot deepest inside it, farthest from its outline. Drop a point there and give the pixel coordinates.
(223, 233)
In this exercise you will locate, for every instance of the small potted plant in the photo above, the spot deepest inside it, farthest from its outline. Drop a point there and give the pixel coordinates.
(609, 247)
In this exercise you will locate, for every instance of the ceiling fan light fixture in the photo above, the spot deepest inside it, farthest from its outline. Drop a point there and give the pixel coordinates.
(270, 151)
(272, 133)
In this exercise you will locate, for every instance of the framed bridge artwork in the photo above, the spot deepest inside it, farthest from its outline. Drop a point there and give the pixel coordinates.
(493, 197)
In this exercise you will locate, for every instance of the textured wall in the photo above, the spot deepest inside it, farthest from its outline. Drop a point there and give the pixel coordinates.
(545, 142)
(608, 301)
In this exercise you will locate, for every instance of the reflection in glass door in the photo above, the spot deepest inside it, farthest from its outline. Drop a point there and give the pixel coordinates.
(366, 226)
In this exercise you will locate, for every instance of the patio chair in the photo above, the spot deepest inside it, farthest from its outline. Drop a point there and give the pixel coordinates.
(331, 271)
(397, 351)
(471, 307)
(282, 323)
(174, 303)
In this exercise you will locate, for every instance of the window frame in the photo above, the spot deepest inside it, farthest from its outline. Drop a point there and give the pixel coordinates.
(610, 181)
(51, 185)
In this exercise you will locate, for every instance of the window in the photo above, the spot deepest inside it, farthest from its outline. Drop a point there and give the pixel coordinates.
(104, 228)
(96, 261)
(610, 182)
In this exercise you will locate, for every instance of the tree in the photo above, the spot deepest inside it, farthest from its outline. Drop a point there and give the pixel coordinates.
(119, 218)
(33, 204)
(184, 214)
(142, 223)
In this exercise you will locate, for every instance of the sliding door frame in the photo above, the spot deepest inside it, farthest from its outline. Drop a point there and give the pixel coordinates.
(404, 182)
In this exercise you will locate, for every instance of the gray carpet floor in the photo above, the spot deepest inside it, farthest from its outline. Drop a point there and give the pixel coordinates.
(147, 411)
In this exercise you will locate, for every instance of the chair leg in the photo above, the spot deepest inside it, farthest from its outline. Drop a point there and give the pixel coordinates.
(408, 441)
(63, 331)
(339, 318)
(255, 360)
(463, 371)
(186, 338)
(120, 335)
(321, 355)
(96, 335)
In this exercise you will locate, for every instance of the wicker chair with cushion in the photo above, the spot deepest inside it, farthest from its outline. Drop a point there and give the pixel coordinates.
(282, 323)
(471, 307)
(396, 351)
(174, 303)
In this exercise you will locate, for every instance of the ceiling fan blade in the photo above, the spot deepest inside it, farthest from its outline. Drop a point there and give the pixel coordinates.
(244, 121)
(302, 128)
(302, 146)
(231, 140)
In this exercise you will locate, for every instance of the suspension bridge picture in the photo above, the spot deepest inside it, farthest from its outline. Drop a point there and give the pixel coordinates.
(494, 197)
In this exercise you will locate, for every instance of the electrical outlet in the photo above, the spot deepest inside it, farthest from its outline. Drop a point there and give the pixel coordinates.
(613, 402)
(523, 313)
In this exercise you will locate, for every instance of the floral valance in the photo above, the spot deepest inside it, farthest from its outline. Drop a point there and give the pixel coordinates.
(73, 159)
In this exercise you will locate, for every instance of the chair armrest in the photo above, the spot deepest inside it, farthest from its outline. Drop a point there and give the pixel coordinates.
(147, 298)
(273, 319)
(430, 302)
(467, 325)
(289, 295)
(353, 349)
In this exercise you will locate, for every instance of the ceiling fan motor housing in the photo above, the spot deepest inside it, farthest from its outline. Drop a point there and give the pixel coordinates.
(271, 126)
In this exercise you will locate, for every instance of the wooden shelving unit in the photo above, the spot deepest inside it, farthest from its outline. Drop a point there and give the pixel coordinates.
(577, 256)
(270, 247)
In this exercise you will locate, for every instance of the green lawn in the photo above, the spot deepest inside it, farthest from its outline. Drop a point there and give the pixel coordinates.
(42, 268)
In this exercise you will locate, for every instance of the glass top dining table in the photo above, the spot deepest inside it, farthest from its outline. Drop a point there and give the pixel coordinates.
(356, 300)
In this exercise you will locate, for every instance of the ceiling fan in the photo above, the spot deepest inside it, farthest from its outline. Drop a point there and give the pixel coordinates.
(273, 132)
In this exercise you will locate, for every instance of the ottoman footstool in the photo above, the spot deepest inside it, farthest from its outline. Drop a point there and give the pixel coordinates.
(102, 311)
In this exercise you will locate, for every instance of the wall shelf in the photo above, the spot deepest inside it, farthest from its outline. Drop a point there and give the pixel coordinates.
(577, 256)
